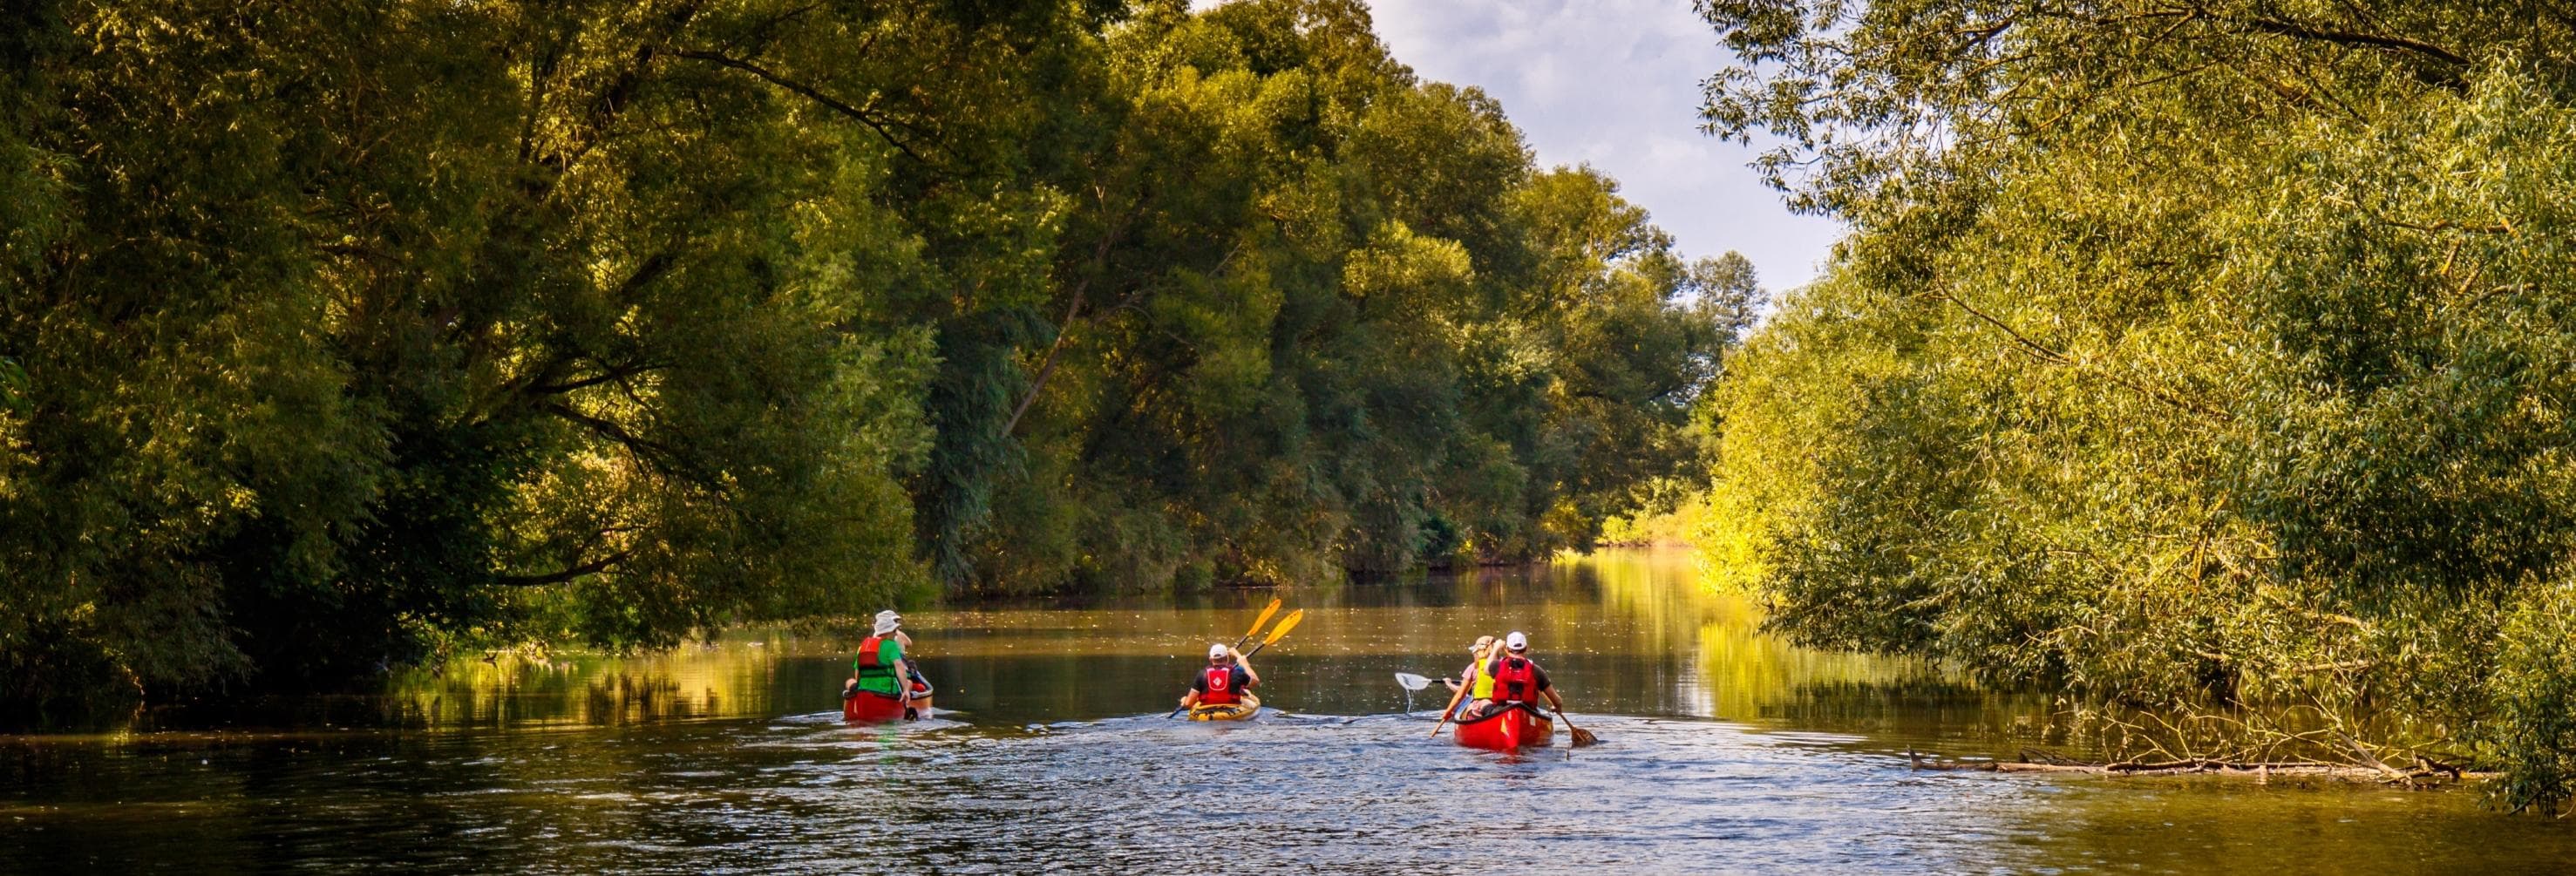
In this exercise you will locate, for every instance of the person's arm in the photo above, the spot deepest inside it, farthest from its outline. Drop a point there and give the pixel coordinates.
(1544, 687)
(1251, 679)
(903, 638)
(1197, 683)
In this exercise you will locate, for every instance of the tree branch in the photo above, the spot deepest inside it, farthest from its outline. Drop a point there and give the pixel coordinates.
(566, 575)
(811, 93)
(2052, 356)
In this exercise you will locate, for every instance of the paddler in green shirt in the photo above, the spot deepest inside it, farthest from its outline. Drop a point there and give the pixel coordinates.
(880, 667)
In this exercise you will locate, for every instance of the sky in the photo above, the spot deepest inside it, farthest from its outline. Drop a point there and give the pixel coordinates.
(1615, 84)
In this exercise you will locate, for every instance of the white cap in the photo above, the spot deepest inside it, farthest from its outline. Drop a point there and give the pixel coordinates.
(887, 620)
(1516, 641)
(1218, 650)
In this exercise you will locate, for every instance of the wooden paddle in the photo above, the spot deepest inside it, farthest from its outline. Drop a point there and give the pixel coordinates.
(1277, 632)
(1581, 736)
(1470, 681)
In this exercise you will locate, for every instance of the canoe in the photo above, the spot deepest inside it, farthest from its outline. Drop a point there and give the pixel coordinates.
(867, 707)
(1242, 711)
(1508, 729)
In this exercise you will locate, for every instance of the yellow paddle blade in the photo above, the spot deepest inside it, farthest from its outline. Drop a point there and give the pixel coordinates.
(1284, 626)
(1263, 619)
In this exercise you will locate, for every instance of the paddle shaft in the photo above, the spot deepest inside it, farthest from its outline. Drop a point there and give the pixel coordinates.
(1257, 622)
(1460, 694)
(1570, 730)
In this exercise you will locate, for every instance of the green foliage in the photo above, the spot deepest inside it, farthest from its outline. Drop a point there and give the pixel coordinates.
(334, 340)
(2192, 357)
(1367, 333)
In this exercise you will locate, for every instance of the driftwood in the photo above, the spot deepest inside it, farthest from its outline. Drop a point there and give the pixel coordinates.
(2425, 773)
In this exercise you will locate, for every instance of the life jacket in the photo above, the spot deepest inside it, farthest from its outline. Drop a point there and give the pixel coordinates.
(1515, 680)
(1220, 687)
(1482, 688)
(869, 665)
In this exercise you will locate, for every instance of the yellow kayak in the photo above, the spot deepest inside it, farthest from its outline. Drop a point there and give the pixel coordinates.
(1242, 711)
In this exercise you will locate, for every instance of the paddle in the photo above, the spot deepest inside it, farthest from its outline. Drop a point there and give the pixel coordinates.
(1277, 632)
(1452, 708)
(1257, 622)
(1411, 683)
(1581, 736)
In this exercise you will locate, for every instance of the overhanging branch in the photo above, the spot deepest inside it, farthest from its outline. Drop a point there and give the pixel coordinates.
(816, 95)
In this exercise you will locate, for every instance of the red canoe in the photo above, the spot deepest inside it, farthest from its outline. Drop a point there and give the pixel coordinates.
(1506, 730)
(867, 707)
(864, 707)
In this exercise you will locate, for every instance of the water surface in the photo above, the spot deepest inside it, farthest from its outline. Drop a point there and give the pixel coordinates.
(1725, 750)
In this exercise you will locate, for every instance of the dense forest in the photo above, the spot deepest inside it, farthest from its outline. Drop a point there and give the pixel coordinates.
(2210, 358)
(338, 335)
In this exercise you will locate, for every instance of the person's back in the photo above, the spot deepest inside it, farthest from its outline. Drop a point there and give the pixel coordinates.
(876, 665)
(1517, 679)
(1225, 681)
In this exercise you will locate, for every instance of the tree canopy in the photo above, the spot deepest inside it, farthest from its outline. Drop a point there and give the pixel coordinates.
(341, 336)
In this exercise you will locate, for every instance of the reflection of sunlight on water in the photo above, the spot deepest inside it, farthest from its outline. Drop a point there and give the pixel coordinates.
(1050, 750)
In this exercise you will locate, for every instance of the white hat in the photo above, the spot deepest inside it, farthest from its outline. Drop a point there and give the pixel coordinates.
(1218, 650)
(887, 620)
(1516, 641)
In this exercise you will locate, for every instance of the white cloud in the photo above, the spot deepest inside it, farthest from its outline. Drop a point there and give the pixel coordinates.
(1615, 83)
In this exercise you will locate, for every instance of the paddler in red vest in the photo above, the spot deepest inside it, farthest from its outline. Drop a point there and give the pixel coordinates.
(1517, 678)
(1224, 681)
(880, 667)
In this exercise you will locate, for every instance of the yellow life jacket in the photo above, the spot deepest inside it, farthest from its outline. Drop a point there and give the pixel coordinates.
(1483, 687)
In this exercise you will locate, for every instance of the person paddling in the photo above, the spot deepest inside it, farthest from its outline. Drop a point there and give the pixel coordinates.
(880, 668)
(912, 667)
(1479, 683)
(1225, 681)
(1517, 679)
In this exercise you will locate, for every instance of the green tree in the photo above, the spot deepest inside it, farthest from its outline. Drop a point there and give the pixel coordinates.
(2201, 357)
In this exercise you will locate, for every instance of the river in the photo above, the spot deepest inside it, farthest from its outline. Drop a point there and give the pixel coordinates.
(1724, 750)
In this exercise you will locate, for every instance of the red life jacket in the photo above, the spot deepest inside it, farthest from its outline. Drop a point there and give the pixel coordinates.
(1515, 680)
(870, 665)
(1220, 687)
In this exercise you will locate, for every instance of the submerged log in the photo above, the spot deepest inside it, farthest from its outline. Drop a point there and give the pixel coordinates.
(2425, 774)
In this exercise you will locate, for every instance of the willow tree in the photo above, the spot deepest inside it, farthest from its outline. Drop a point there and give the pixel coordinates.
(2202, 356)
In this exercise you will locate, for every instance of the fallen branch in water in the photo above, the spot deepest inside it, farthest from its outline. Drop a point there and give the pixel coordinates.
(2424, 774)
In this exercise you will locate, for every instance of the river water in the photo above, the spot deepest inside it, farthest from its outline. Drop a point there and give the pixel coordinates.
(1723, 750)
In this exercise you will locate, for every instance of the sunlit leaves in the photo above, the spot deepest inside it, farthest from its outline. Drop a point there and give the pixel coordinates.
(2192, 357)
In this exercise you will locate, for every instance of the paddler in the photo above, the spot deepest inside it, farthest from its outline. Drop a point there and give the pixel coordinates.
(1479, 683)
(881, 662)
(912, 668)
(1225, 680)
(1517, 679)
